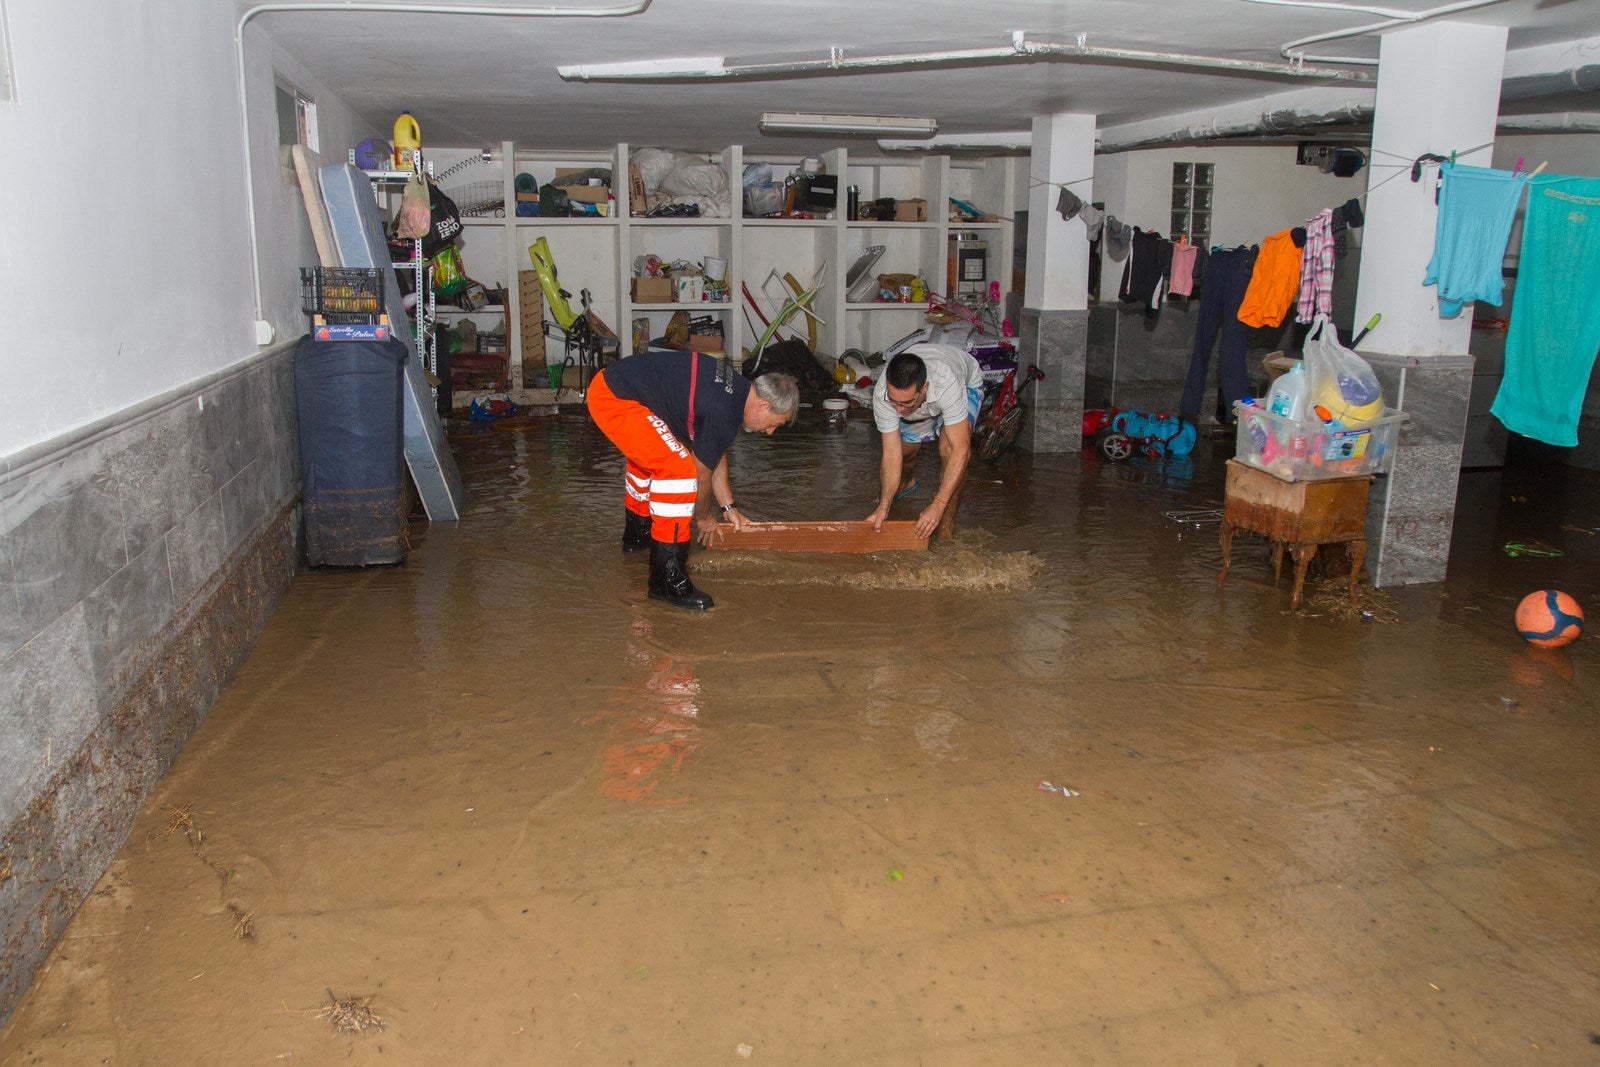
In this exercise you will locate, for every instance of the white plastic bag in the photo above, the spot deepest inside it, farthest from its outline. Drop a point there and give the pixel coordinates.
(685, 178)
(416, 216)
(1339, 381)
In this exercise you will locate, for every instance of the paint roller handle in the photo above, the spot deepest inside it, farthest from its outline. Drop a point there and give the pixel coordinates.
(1366, 329)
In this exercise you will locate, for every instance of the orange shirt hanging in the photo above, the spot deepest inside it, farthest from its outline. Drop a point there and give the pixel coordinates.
(1275, 283)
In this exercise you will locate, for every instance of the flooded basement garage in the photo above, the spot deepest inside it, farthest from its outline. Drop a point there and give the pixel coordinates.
(494, 806)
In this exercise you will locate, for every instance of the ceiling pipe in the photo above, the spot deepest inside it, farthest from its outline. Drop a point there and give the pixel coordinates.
(631, 7)
(1020, 48)
(1557, 122)
(1584, 79)
(1277, 121)
(1008, 141)
(1291, 51)
(1281, 121)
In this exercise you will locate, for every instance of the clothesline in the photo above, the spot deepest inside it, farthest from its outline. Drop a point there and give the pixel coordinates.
(1032, 182)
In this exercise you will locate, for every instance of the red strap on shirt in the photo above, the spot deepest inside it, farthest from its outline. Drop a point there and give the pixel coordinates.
(694, 371)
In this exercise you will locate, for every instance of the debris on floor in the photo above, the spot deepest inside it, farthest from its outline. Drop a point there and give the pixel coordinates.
(1531, 548)
(1061, 789)
(1330, 596)
(350, 1015)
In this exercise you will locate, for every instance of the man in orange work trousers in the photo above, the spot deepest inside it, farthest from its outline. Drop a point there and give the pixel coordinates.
(650, 404)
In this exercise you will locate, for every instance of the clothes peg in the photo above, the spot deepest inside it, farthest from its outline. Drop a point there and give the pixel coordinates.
(1534, 173)
(1452, 157)
(1516, 170)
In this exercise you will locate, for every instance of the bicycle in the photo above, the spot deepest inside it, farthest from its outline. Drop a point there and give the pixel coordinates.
(1001, 421)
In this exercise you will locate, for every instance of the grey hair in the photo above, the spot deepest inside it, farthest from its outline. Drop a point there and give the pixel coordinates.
(780, 391)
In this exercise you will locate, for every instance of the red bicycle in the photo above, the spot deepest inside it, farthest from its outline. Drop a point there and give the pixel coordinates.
(1002, 415)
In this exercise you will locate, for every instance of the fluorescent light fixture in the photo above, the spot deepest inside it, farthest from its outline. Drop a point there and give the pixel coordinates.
(871, 125)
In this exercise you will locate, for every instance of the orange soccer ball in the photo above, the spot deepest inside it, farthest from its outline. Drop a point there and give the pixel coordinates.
(1549, 618)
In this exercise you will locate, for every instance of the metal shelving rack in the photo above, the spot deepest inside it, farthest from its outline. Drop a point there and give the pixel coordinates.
(425, 311)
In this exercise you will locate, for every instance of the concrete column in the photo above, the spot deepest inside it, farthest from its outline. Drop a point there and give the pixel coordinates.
(1054, 327)
(1438, 91)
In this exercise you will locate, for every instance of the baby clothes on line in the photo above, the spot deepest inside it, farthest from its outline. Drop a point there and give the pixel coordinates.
(1182, 280)
(1476, 206)
(1316, 267)
(1274, 282)
(1555, 318)
(1345, 216)
(1144, 278)
(1119, 237)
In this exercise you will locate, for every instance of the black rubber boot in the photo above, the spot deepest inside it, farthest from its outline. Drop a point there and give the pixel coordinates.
(669, 577)
(635, 532)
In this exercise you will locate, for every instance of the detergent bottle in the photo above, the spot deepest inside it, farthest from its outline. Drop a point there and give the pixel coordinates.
(1288, 399)
(407, 141)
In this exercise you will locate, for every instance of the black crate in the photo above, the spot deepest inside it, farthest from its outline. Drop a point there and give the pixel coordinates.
(342, 295)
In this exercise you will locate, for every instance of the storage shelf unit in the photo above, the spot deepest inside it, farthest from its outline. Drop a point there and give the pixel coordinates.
(386, 186)
(597, 253)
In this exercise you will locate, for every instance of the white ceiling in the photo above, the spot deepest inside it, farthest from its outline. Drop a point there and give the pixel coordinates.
(473, 79)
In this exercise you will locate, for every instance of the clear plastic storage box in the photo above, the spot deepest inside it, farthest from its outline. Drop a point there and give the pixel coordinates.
(1314, 450)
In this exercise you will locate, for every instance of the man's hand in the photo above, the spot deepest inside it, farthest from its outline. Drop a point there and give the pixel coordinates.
(877, 517)
(735, 518)
(929, 519)
(707, 530)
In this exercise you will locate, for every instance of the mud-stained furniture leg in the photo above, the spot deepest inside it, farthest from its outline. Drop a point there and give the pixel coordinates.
(1227, 549)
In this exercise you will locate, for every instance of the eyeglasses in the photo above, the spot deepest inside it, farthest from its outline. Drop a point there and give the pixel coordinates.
(910, 403)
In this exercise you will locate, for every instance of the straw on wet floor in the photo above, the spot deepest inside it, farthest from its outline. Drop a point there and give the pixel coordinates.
(350, 1015)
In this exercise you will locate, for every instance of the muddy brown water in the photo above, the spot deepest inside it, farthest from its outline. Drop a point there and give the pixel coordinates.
(539, 819)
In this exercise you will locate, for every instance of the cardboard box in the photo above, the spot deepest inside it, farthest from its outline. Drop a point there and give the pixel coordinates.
(687, 288)
(582, 194)
(911, 211)
(530, 318)
(705, 342)
(638, 203)
(652, 290)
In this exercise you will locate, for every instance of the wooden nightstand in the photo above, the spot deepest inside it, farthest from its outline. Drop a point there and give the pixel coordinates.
(1299, 515)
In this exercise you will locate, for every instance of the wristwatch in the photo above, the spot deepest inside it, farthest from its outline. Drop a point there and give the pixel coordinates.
(725, 508)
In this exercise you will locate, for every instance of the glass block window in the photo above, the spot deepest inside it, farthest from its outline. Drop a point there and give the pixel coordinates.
(1192, 191)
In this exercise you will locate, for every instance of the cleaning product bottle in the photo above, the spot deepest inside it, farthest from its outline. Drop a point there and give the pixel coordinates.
(407, 141)
(1288, 399)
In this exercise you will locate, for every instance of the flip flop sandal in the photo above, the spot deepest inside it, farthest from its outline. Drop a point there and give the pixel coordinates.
(907, 491)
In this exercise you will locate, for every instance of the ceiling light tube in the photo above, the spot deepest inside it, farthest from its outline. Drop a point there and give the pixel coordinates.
(872, 125)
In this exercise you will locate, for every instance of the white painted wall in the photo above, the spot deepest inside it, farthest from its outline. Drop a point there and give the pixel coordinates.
(1565, 153)
(283, 235)
(1058, 261)
(1562, 153)
(1259, 189)
(124, 264)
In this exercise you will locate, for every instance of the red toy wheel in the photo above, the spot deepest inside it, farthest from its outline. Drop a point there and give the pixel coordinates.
(1116, 446)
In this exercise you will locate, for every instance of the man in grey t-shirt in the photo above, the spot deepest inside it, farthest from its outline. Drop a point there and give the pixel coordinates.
(928, 392)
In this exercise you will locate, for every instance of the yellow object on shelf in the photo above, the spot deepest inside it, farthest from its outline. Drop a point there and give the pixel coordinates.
(407, 141)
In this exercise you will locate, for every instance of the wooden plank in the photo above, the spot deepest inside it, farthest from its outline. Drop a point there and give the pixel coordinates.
(823, 537)
(306, 164)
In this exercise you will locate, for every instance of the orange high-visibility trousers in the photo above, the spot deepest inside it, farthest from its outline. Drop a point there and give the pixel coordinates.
(660, 481)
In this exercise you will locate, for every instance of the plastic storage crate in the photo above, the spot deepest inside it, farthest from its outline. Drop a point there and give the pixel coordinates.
(1312, 451)
(345, 303)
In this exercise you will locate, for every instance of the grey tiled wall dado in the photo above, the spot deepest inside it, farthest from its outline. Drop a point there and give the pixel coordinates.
(138, 560)
(1057, 341)
(1414, 507)
(1138, 361)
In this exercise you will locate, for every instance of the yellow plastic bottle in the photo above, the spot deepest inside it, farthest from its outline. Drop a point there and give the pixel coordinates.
(407, 141)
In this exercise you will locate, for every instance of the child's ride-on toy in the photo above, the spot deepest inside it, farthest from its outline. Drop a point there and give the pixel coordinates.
(1120, 434)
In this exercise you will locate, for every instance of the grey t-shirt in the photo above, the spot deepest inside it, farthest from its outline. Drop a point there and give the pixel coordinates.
(951, 372)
